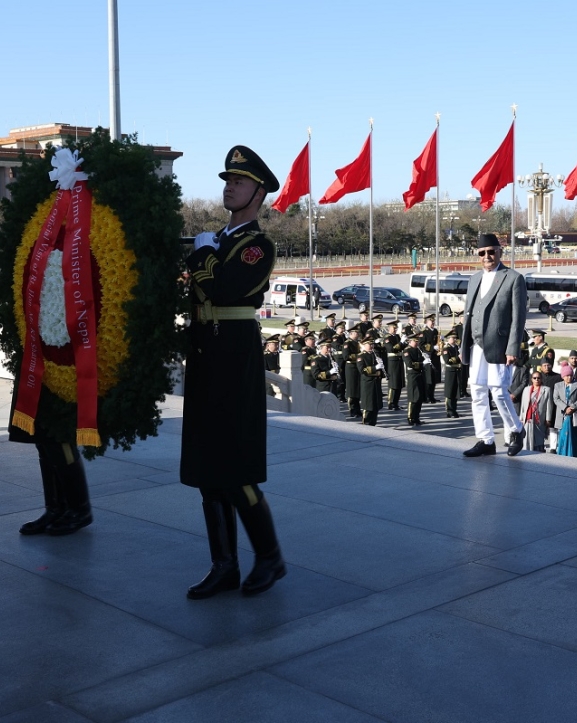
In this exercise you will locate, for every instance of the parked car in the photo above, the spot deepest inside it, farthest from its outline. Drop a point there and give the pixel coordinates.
(565, 310)
(385, 299)
(342, 296)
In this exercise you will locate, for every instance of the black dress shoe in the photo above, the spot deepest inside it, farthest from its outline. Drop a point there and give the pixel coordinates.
(37, 527)
(480, 449)
(516, 443)
(456, 415)
(266, 571)
(418, 422)
(410, 422)
(398, 408)
(71, 521)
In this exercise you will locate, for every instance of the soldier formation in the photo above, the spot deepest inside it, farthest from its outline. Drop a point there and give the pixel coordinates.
(355, 363)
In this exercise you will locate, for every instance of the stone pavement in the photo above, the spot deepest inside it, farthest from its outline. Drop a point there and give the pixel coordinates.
(423, 587)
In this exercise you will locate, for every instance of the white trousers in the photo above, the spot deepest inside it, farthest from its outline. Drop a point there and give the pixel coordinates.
(496, 378)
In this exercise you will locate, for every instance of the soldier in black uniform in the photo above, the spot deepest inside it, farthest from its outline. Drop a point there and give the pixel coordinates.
(413, 358)
(540, 351)
(378, 335)
(271, 360)
(288, 338)
(338, 341)
(371, 372)
(411, 327)
(330, 329)
(308, 352)
(299, 339)
(394, 352)
(464, 371)
(452, 369)
(364, 323)
(429, 345)
(324, 368)
(351, 349)
(224, 425)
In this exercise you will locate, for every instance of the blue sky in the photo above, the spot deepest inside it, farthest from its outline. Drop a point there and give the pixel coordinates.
(204, 76)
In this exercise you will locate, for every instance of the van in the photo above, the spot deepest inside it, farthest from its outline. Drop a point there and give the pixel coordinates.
(289, 291)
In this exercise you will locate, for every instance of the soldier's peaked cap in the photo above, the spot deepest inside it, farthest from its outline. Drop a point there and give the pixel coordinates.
(242, 161)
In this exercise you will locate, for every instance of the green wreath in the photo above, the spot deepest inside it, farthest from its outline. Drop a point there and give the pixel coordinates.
(136, 226)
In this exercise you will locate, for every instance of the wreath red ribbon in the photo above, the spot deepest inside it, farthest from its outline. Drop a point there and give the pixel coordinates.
(72, 208)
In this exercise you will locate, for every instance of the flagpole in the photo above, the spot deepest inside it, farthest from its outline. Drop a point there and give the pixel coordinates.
(311, 303)
(437, 224)
(514, 109)
(371, 218)
(114, 71)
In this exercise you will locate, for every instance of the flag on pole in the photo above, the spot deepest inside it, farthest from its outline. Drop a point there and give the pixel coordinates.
(497, 173)
(424, 174)
(352, 178)
(570, 184)
(297, 182)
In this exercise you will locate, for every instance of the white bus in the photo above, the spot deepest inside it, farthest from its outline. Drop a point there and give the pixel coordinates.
(452, 291)
(546, 289)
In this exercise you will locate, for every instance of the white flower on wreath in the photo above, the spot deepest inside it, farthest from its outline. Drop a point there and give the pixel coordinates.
(52, 321)
(65, 163)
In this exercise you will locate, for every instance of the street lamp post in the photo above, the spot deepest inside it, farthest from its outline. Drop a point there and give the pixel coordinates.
(540, 186)
(450, 219)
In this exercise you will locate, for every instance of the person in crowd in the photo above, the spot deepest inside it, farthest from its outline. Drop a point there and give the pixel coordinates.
(540, 351)
(452, 370)
(271, 360)
(224, 425)
(371, 370)
(308, 351)
(565, 400)
(536, 410)
(429, 345)
(299, 340)
(414, 362)
(287, 339)
(393, 347)
(351, 350)
(337, 345)
(572, 361)
(364, 324)
(324, 368)
(495, 315)
(411, 327)
(464, 371)
(377, 333)
(330, 329)
(550, 378)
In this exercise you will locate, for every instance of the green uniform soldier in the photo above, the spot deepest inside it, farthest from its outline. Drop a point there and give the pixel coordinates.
(540, 351)
(351, 349)
(288, 338)
(324, 368)
(371, 371)
(337, 344)
(308, 352)
(413, 358)
(271, 360)
(330, 329)
(452, 370)
(299, 339)
(429, 345)
(395, 367)
(364, 324)
(464, 371)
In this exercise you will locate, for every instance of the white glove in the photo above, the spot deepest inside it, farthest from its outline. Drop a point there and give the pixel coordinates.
(427, 360)
(436, 347)
(206, 238)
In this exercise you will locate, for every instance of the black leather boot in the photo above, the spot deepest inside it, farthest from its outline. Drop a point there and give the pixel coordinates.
(53, 499)
(220, 518)
(79, 514)
(268, 563)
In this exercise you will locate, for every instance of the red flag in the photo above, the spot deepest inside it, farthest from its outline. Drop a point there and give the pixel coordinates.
(297, 182)
(497, 172)
(424, 174)
(352, 178)
(571, 185)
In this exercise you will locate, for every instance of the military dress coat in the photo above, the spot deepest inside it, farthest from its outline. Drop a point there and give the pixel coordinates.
(224, 424)
(351, 350)
(413, 358)
(322, 370)
(393, 349)
(427, 343)
(370, 377)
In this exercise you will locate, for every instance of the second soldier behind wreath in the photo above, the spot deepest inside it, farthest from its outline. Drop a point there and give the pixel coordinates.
(452, 370)
(224, 425)
(414, 363)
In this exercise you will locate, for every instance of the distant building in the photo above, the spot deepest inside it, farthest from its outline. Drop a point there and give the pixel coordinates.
(34, 139)
(446, 205)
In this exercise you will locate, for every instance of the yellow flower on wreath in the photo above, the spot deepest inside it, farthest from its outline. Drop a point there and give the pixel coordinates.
(118, 277)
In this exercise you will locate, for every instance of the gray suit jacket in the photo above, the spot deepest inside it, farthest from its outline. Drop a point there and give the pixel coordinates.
(504, 317)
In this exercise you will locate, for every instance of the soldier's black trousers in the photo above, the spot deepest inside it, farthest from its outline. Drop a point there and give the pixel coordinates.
(243, 498)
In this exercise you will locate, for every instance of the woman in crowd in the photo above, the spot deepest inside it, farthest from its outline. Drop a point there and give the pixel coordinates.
(565, 400)
(536, 409)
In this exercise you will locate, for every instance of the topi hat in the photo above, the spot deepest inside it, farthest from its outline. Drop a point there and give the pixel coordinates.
(241, 161)
(566, 369)
(487, 239)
